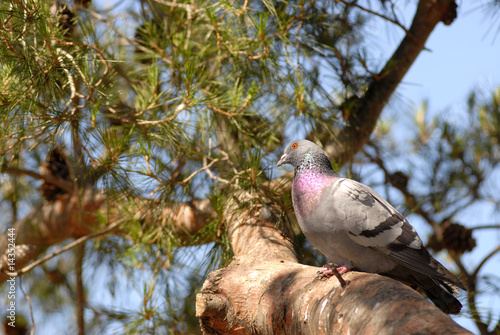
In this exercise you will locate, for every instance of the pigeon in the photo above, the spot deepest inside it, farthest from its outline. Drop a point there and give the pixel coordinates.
(357, 229)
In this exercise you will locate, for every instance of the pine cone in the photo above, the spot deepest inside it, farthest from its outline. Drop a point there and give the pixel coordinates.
(67, 21)
(56, 167)
(458, 238)
(84, 3)
(399, 180)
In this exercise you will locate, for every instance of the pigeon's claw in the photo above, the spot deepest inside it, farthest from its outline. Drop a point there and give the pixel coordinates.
(329, 270)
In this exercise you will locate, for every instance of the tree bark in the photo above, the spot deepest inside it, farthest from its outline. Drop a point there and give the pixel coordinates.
(276, 297)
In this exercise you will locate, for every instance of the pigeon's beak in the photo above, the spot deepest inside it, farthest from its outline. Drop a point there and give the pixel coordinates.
(282, 160)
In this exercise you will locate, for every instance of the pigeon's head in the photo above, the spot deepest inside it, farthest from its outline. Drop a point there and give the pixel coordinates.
(297, 151)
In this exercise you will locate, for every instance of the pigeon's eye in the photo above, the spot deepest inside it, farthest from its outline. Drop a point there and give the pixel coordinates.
(294, 146)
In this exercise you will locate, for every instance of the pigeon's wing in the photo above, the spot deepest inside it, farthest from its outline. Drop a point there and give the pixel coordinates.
(370, 220)
(374, 223)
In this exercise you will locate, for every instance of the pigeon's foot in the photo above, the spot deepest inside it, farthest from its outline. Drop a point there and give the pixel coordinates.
(344, 268)
(326, 271)
(329, 270)
(337, 271)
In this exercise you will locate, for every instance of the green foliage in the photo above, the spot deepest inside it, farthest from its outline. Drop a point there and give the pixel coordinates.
(174, 103)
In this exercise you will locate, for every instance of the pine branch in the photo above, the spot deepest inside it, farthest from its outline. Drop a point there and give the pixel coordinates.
(367, 110)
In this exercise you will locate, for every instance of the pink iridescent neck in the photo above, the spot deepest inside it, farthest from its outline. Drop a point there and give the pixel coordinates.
(307, 189)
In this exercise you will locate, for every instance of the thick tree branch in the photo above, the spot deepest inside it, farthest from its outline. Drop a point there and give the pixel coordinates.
(368, 108)
(264, 290)
(288, 298)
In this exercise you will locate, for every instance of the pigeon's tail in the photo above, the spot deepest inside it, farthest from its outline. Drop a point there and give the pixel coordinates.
(440, 292)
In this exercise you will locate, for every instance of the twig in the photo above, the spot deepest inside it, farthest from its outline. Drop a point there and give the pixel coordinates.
(396, 22)
(177, 111)
(72, 87)
(205, 167)
(210, 174)
(32, 331)
(220, 111)
(80, 294)
(339, 277)
(491, 254)
(174, 4)
(99, 55)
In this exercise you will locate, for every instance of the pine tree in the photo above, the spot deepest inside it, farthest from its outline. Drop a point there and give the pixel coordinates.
(137, 148)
